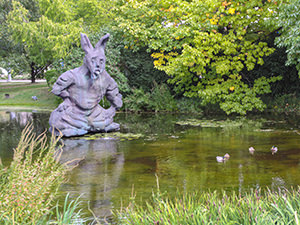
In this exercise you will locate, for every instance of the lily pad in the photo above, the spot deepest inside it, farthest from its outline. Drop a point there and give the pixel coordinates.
(265, 130)
(201, 123)
(112, 135)
(226, 124)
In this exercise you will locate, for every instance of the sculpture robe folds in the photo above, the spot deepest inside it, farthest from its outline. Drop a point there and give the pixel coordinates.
(81, 90)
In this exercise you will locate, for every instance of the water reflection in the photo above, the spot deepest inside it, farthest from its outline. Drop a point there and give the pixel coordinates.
(11, 125)
(21, 118)
(183, 157)
(98, 172)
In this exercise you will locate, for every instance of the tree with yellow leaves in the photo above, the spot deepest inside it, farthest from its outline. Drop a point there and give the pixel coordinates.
(204, 46)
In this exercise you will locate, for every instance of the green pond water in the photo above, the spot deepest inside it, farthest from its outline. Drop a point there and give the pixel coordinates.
(180, 149)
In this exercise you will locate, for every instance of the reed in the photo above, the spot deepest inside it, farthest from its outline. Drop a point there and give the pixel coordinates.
(254, 207)
(28, 187)
(69, 213)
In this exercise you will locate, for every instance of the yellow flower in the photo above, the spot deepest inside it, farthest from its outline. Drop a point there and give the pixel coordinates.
(213, 21)
(231, 11)
(231, 88)
(157, 63)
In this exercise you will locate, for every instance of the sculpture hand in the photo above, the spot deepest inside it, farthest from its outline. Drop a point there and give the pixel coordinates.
(64, 94)
(111, 110)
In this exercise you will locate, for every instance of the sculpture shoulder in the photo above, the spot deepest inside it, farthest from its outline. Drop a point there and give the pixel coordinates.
(66, 77)
(109, 80)
(63, 82)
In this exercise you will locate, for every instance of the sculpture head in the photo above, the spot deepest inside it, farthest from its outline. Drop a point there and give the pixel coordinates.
(94, 57)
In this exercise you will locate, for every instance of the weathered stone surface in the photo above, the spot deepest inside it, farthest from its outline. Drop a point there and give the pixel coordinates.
(81, 90)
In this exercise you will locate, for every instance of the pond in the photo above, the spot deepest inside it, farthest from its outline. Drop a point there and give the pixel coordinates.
(180, 150)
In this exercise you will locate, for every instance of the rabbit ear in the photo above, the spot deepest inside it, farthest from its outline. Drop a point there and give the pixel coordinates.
(103, 41)
(85, 43)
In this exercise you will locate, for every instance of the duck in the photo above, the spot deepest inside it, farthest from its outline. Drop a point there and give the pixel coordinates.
(274, 149)
(223, 158)
(251, 150)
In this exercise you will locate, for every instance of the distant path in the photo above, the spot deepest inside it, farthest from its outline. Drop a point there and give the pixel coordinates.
(21, 81)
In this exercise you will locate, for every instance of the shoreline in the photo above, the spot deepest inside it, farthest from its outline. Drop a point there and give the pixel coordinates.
(23, 81)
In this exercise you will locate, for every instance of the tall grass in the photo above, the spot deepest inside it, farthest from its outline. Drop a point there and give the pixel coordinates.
(255, 207)
(28, 187)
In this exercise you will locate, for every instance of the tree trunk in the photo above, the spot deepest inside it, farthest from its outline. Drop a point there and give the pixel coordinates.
(33, 72)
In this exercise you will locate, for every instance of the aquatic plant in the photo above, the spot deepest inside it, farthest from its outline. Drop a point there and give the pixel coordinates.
(111, 135)
(228, 123)
(254, 207)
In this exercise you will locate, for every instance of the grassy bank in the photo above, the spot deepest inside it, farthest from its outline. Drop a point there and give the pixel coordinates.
(20, 95)
(160, 100)
(281, 207)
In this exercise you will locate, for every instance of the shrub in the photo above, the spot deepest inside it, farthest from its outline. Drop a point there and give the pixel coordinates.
(137, 101)
(139, 69)
(159, 99)
(162, 100)
(193, 105)
(285, 103)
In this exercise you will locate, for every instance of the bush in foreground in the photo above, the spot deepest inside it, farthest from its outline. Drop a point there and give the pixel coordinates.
(28, 187)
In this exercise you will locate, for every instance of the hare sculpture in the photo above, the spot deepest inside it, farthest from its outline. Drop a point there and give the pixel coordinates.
(81, 90)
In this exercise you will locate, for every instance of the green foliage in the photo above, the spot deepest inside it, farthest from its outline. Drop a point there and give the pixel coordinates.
(274, 66)
(288, 20)
(201, 44)
(286, 103)
(51, 76)
(160, 99)
(139, 68)
(29, 185)
(16, 63)
(237, 97)
(94, 13)
(280, 207)
(46, 38)
(137, 101)
(190, 105)
(12, 54)
(45, 30)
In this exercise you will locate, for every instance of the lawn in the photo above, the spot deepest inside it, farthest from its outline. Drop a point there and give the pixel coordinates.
(20, 95)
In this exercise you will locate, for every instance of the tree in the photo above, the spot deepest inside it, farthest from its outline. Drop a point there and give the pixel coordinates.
(12, 55)
(47, 37)
(288, 21)
(94, 13)
(204, 45)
